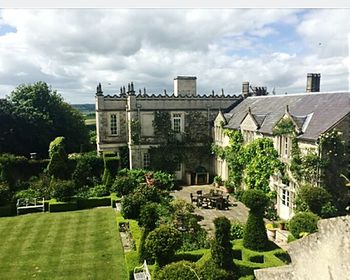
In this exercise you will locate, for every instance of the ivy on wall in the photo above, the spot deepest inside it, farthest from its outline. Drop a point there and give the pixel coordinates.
(191, 147)
(135, 131)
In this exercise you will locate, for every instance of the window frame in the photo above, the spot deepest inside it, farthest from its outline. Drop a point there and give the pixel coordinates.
(113, 131)
(176, 116)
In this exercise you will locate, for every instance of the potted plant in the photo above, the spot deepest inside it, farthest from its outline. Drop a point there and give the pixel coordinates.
(217, 181)
(271, 231)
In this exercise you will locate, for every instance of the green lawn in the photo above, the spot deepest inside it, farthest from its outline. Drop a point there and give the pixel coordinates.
(71, 245)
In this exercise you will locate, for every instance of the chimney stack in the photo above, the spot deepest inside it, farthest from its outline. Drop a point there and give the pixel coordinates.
(313, 82)
(245, 89)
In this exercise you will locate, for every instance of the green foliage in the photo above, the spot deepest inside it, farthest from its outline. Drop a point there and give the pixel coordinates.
(38, 115)
(196, 127)
(335, 154)
(127, 180)
(149, 216)
(98, 191)
(18, 168)
(41, 185)
(93, 202)
(62, 190)
(27, 194)
(57, 166)
(162, 126)
(162, 244)
(183, 270)
(255, 200)
(111, 166)
(163, 180)
(5, 193)
(135, 131)
(303, 222)
(210, 271)
(88, 170)
(63, 206)
(183, 218)
(132, 203)
(221, 248)
(255, 237)
(284, 127)
(261, 161)
(237, 230)
(314, 199)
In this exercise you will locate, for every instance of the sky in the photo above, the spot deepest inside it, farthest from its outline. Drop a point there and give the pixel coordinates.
(75, 49)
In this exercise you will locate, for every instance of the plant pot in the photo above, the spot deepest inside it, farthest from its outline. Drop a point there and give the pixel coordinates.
(282, 225)
(271, 233)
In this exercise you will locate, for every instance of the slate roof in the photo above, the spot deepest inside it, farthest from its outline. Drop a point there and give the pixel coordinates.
(324, 111)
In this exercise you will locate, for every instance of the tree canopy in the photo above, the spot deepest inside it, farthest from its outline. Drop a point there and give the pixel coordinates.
(33, 115)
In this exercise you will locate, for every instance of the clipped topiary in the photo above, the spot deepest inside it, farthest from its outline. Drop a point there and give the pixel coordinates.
(209, 271)
(183, 270)
(255, 237)
(221, 249)
(303, 222)
(162, 244)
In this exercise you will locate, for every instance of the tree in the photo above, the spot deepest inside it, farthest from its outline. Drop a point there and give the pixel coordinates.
(255, 237)
(303, 222)
(36, 114)
(221, 249)
(162, 244)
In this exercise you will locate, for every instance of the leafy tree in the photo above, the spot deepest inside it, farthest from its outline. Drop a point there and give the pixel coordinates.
(162, 244)
(36, 114)
(221, 249)
(5, 193)
(255, 237)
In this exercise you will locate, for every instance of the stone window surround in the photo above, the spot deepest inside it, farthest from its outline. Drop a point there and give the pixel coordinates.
(177, 116)
(110, 114)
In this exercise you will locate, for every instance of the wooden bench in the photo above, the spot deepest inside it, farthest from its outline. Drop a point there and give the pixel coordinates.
(30, 203)
(142, 272)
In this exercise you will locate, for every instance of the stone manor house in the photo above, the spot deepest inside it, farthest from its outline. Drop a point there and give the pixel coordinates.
(117, 115)
(253, 112)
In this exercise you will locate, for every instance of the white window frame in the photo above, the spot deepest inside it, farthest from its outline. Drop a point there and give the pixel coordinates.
(285, 197)
(284, 146)
(116, 132)
(177, 116)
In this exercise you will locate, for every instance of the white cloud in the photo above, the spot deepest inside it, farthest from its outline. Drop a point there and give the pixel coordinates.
(75, 49)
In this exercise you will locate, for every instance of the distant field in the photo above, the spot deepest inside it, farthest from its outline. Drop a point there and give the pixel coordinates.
(71, 245)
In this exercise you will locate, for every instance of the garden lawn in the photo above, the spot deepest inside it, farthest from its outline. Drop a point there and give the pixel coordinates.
(70, 245)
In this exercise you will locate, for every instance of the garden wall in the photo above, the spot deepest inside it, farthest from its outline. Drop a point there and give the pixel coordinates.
(323, 255)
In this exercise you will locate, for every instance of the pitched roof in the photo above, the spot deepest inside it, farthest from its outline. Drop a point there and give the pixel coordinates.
(315, 112)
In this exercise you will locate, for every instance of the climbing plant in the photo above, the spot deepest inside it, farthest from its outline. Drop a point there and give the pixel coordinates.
(135, 131)
(284, 127)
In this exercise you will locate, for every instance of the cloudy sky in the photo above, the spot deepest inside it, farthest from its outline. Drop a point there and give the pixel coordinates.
(73, 50)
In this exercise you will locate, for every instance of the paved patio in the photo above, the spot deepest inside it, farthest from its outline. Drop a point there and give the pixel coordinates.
(236, 212)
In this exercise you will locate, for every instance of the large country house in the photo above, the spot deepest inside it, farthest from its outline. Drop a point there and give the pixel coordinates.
(312, 113)
(135, 122)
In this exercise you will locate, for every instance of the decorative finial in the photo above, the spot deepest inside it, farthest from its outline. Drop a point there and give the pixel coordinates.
(140, 92)
(129, 87)
(99, 89)
(144, 91)
(121, 90)
(222, 92)
(132, 86)
(212, 92)
(249, 110)
(124, 90)
(165, 91)
(287, 109)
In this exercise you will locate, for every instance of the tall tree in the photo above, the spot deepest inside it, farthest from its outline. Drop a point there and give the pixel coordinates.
(35, 115)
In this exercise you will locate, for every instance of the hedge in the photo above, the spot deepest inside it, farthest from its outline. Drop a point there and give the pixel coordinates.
(63, 206)
(7, 210)
(93, 202)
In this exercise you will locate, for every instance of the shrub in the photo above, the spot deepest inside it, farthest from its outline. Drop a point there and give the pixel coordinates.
(41, 185)
(183, 270)
(316, 199)
(5, 193)
(149, 216)
(162, 243)
(237, 230)
(26, 194)
(255, 237)
(303, 222)
(127, 180)
(62, 206)
(88, 169)
(7, 210)
(221, 249)
(57, 166)
(62, 190)
(98, 191)
(164, 180)
(111, 166)
(93, 202)
(209, 271)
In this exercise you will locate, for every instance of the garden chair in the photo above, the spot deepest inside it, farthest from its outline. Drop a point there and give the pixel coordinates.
(193, 198)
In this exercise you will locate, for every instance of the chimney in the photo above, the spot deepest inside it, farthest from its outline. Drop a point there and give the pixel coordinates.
(313, 82)
(245, 89)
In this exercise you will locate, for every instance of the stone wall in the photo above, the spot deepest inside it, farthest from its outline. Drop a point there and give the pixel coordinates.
(324, 255)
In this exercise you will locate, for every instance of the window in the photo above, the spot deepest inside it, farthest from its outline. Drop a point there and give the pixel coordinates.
(284, 146)
(285, 197)
(177, 123)
(114, 124)
(146, 160)
(248, 136)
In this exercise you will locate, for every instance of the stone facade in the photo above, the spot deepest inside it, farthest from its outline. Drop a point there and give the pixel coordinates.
(117, 115)
(323, 255)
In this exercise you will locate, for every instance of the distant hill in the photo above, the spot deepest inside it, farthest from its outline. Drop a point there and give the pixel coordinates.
(85, 109)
